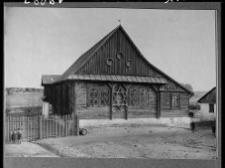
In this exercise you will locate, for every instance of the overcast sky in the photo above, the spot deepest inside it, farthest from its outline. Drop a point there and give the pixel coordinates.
(48, 40)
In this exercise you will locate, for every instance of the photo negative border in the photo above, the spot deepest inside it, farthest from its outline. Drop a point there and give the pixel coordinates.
(34, 162)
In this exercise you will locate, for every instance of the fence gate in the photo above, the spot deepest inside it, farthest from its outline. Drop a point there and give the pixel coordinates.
(37, 127)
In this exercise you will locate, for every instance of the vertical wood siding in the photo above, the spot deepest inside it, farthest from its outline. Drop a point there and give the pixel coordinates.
(167, 111)
(82, 110)
(36, 127)
(81, 95)
(140, 112)
(118, 43)
(165, 100)
(103, 112)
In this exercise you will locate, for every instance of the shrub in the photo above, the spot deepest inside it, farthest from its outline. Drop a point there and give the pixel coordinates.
(205, 124)
(191, 114)
(194, 106)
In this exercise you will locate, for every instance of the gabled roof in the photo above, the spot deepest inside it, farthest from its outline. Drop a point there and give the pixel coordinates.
(209, 97)
(89, 53)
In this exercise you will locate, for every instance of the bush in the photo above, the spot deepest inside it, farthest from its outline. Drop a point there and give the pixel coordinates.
(194, 106)
(191, 114)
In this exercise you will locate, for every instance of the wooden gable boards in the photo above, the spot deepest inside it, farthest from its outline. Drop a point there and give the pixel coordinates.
(209, 97)
(116, 54)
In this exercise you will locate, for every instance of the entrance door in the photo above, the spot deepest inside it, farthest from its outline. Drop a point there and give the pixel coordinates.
(119, 101)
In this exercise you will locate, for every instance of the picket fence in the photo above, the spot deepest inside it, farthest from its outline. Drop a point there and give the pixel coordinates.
(37, 127)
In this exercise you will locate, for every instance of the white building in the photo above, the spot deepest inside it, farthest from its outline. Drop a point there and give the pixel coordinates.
(208, 105)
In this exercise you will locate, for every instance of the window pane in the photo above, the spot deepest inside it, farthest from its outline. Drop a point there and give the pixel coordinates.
(175, 101)
(211, 108)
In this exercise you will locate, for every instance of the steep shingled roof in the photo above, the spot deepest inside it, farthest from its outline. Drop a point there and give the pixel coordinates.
(89, 53)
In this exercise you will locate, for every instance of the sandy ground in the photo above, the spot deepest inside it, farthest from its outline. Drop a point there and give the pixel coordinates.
(136, 142)
(27, 149)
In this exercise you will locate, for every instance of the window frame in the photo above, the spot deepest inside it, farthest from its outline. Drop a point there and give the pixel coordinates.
(142, 97)
(211, 108)
(98, 96)
(172, 106)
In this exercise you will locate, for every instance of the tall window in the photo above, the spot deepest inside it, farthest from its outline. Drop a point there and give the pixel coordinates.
(93, 97)
(211, 108)
(139, 97)
(175, 101)
(134, 97)
(98, 95)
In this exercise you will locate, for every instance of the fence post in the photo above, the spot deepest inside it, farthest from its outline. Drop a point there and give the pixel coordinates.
(66, 120)
(77, 125)
(7, 132)
(40, 127)
(9, 129)
(56, 125)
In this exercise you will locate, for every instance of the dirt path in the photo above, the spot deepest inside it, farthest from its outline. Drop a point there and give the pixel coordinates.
(27, 149)
(136, 142)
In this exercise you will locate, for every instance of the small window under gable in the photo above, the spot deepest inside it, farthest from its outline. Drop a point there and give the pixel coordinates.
(211, 108)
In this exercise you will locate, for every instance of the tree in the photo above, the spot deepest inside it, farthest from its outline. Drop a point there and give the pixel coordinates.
(188, 86)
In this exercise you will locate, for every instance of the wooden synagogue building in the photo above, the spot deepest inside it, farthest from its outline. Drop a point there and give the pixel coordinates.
(114, 80)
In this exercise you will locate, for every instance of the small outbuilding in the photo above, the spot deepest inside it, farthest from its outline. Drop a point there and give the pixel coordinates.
(113, 80)
(208, 105)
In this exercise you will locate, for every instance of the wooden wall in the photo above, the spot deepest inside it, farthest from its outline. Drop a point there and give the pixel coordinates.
(62, 98)
(149, 110)
(72, 97)
(82, 110)
(103, 112)
(166, 108)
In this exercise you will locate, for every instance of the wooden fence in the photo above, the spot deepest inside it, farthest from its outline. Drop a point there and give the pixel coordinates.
(37, 127)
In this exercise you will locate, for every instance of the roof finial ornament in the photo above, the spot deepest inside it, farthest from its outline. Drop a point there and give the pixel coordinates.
(119, 21)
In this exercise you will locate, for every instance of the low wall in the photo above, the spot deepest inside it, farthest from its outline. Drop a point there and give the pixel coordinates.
(203, 116)
(175, 121)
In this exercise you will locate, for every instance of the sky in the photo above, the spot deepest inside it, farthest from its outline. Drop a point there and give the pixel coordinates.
(40, 41)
